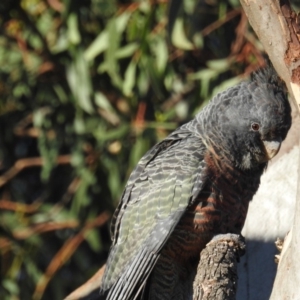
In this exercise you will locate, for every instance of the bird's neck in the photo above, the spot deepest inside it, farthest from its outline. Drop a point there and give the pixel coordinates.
(224, 163)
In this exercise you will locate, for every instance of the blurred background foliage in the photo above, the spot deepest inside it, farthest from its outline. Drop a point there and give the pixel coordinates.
(86, 88)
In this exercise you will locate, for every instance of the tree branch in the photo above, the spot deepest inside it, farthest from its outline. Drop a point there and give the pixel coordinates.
(277, 27)
(217, 269)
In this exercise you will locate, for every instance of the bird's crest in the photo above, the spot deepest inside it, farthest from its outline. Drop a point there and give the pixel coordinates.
(268, 75)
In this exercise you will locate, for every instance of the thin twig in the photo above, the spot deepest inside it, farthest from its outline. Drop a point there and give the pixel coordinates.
(25, 233)
(215, 25)
(91, 285)
(56, 5)
(66, 251)
(24, 163)
(19, 207)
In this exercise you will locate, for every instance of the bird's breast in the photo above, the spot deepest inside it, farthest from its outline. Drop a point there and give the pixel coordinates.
(220, 207)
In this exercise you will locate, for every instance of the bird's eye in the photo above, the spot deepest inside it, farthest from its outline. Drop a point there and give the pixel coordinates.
(255, 126)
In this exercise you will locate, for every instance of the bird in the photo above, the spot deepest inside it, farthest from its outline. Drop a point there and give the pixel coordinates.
(191, 186)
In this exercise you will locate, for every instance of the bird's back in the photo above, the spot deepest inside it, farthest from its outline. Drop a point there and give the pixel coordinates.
(220, 207)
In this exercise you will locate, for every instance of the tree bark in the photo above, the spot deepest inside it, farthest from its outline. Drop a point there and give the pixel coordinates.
(275, 24)
(217, 269)
(277, 27)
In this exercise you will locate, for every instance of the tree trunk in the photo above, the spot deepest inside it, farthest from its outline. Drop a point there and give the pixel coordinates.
(277, 27)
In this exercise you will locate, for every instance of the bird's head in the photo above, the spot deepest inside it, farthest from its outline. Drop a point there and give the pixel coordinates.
(247, 123)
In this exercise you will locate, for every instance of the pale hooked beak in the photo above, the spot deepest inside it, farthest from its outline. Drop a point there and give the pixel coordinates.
(272, 148)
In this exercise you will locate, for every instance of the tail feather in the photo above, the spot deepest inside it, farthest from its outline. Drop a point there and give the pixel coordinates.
(130, 284)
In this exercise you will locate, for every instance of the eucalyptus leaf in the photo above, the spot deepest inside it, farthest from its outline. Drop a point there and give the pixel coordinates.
(205, 74)
(73, 32)
(226, 84)
(127, 50)
(221, 65)
(161, 52)
(99, 45)
(11, 286)
(111, 63)
(129, 79)
(93, 239)
(179, 38)
(79, 81)
(102, 101)
(103, 135)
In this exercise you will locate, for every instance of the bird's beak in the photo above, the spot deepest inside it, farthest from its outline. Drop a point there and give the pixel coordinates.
(272, 148)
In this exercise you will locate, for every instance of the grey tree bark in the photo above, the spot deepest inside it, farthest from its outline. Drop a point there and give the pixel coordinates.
(278, 29)
(216, 277)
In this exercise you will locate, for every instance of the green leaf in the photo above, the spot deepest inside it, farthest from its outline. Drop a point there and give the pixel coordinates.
(81, 198)
(61, 94)
(155, 80)
(32, 270)
(92, 237)
(110, 59)
(61, 43)
(114, 180)
(106, 110)
(102, 101)
(129, 79)
(178, 36)
(127, 50)
(145, 7)
(80, 84)
(169, 80)
(40, 115)
(79, 125)
(182, 110)
(226, 84)
(235, 3)
(139, 149)
(143, 82)
(11, 286)
(122, 20)
(103, 40)
(102, 134)
(160, 49)
(77, 159)
(73, 32)
(189, 6)
(46, 23)
(198, 40)
(99, 45)
(206, 74)
(220, 65)
(48, 147)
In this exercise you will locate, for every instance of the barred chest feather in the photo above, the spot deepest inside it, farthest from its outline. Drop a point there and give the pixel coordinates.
(221, 207)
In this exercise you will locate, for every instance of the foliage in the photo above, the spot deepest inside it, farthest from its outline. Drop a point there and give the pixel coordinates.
(86, 88)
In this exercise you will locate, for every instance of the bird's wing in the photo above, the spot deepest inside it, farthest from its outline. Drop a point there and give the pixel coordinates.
(162, 186)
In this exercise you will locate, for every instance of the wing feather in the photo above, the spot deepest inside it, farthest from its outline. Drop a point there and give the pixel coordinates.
(157, 194)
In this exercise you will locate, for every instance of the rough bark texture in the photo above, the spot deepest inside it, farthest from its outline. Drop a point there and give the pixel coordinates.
(216, 277)
(276, 25)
